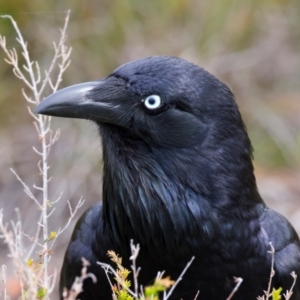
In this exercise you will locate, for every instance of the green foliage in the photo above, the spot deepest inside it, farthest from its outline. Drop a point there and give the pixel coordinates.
(122, 284)
(276, 294)
(41, 293)
(120, 289)
(160, 285)
(123, 295)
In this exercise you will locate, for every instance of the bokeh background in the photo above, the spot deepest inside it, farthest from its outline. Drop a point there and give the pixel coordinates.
(251, 45)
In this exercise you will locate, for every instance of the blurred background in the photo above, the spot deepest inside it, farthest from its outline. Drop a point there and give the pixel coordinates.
(252, 46)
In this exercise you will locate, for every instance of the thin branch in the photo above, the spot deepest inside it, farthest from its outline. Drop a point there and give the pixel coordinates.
(59, 50)
(272, 273)
(26, 189)
(25, 53)
(51, 212)
(198, 293)
(238, 281)
(135, 249)
(34, 240)
(76, 287)
(72, 213)
(57, 199)
(109, 268)
(52, 284)
(3, 281)
(179, 278)
(30, 74)
(289, 293)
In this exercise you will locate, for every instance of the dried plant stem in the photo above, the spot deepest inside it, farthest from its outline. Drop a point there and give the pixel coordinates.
(13, 240)
(77, 285)
(134, 254)
(272, 272)
(109, 269)
(179, 279)
(268, 293)
(3, 283)
(30, 74)
(289, 293)
(135, 249)
(238, 281)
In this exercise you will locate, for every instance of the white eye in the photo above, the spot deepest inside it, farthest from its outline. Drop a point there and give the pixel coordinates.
(152, 102)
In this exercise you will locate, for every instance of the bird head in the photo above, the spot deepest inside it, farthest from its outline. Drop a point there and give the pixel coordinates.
(165, 101)
(163, 119)
(175, 147)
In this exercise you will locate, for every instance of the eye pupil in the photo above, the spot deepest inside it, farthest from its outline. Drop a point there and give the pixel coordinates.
(151, 101)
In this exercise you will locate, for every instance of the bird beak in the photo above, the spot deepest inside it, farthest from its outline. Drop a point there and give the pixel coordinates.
(96, 100)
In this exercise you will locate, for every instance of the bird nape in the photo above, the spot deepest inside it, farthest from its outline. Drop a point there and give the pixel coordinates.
(177, 179)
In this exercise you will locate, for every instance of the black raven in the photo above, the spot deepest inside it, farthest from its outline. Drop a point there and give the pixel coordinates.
(177, 179)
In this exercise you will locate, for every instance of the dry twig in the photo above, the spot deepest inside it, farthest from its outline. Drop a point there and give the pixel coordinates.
(31, 278)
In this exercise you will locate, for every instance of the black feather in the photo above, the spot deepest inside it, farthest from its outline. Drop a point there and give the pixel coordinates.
(179, 181)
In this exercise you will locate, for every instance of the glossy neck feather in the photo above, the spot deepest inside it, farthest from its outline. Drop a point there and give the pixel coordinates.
(161, 196)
